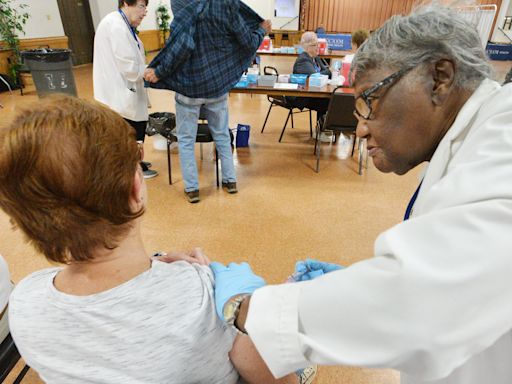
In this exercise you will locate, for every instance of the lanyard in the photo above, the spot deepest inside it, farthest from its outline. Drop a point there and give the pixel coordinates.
(317, 67)
(132, 30)
(408, 211)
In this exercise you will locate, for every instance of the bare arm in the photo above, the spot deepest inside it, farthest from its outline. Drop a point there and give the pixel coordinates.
(251, 366)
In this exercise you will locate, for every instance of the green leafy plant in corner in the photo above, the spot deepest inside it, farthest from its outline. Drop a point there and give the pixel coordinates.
(12, 20)
(163, 18)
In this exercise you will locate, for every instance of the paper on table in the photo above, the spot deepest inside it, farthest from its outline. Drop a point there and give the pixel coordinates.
(286, 86)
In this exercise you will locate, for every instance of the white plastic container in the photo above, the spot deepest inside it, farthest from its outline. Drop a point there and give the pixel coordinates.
(159, 143)
(267, 80)
(318, 80)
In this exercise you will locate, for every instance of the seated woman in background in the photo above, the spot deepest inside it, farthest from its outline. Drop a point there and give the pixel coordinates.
(110, 314)
(358, 38)
(308, 63)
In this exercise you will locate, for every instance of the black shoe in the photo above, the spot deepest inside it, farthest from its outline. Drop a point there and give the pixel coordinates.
(192, 196)
(230, 186)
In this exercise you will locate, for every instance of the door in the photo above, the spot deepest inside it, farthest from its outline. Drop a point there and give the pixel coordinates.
(77, 21)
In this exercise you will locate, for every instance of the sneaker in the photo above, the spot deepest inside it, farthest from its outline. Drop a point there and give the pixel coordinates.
(149, 173)
(192, 196)
(306, 375)
(230, 186)
(147, 164)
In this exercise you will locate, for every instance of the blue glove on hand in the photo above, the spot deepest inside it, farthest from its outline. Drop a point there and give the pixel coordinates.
(311, 269)
(233, 280)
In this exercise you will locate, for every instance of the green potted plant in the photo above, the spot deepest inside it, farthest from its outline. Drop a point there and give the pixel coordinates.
(163, 18)
(12, 20)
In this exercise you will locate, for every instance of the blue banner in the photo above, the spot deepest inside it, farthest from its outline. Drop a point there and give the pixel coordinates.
(499, 51)
(338, 42)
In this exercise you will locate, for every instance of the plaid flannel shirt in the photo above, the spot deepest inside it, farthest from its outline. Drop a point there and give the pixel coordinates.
(212, 43)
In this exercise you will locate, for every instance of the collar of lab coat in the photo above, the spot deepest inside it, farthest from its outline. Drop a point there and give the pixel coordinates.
(446, 149)
(132, 41)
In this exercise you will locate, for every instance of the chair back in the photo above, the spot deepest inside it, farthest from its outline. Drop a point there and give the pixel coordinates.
(340, 114)
(9, 356)
(267, 70)
(203, 133)
(282, 101)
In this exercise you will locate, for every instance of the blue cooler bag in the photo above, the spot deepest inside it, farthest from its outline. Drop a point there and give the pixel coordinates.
(242, 135)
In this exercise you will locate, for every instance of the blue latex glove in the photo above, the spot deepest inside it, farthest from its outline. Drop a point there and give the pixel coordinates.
(311, 269)
(233, 280)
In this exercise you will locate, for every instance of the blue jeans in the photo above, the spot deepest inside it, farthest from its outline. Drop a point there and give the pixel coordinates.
(187, 115)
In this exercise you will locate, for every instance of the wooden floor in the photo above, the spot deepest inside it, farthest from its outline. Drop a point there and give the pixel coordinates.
(284, 211)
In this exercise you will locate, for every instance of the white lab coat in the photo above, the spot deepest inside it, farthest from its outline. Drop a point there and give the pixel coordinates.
(436, 300)
(118, 69)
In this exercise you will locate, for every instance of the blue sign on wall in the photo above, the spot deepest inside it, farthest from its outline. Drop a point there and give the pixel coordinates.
(339, 41)
(499, 51)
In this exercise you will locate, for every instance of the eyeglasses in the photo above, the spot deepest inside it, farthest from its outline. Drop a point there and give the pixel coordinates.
(363, 103)
(141, 6)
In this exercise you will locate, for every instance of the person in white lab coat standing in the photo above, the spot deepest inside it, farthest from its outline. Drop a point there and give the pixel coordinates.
(118, 68)
(435, 301)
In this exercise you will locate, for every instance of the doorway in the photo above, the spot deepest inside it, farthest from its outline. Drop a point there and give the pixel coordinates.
(78, 27)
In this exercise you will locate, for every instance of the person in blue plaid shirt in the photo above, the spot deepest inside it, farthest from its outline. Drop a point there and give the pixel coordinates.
(212, 43)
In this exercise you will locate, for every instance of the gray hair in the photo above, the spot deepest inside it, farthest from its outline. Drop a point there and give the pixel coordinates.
(428, 34)
(307, 38)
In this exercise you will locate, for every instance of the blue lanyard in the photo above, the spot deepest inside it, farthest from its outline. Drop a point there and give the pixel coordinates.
(132, 30)
(317, 67)
(408, 211)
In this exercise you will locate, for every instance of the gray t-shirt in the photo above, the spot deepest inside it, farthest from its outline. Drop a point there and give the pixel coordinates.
(160, 327)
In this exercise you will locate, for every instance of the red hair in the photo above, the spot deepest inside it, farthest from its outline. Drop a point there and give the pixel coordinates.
(67, 169)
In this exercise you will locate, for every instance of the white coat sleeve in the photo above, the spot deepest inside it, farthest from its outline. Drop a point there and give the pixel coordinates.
(422, 305)
(125, 55)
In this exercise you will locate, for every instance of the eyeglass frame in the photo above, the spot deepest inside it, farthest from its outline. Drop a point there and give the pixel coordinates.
(391, 79)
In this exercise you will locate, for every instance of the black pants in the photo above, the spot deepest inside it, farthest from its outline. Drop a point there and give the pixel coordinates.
(140, 128)
(316, 104)
(140, 134)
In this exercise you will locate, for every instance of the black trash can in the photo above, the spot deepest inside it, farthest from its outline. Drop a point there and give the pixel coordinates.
(162, 123)
(51, 70)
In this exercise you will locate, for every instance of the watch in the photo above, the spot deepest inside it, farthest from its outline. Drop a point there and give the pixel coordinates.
(232, 308)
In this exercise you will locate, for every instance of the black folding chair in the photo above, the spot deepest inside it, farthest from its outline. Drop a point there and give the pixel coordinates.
(203, 136)
(284, 102)
(9, 356)
(340, 119)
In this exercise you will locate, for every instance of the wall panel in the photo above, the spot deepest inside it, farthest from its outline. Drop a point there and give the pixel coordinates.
(348, 15)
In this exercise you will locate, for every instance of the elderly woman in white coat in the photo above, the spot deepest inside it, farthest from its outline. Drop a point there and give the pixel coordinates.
(118, 68)
(435, 301)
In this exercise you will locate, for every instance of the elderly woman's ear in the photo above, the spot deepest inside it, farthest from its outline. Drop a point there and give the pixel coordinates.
(443, 74)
